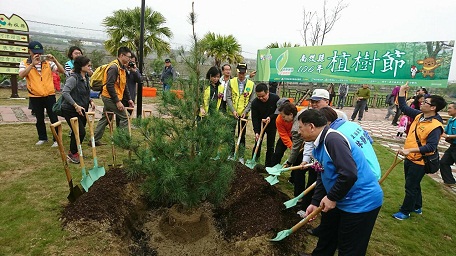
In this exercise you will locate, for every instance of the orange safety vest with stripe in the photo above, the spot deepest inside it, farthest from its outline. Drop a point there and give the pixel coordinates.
(119, 84)
(40, 85)
(422, 131)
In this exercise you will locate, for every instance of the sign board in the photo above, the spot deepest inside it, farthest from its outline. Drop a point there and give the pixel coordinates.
(13, 46)
(424, 64)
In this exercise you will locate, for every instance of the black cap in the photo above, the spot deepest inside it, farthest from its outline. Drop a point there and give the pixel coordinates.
(168, 61)
(36, 47)
(241, 68)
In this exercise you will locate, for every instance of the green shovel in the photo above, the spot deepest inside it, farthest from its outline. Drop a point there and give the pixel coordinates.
(294, 201)
(97, 171)
(272, 179)
(86, 180)
(251, 163)
(278, 169)
(284, 233)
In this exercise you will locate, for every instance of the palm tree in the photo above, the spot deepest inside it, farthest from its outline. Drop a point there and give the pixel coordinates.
(285, 44)
(221, 48)
(123, 27)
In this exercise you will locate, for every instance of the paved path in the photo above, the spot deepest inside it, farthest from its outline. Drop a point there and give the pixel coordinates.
(373, 121)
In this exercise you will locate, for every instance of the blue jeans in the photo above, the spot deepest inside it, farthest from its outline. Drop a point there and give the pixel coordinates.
(413, 200)
(166, 87)
(341, 101)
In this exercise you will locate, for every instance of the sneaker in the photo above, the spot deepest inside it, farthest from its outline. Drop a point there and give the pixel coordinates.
(418, 211)
(351, 119)
(40, 142)
(241, 160)
(401, 216)
(359, 120)
(74, 158)
(55, 144)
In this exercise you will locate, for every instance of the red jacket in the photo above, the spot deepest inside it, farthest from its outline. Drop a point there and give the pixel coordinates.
(284, 130)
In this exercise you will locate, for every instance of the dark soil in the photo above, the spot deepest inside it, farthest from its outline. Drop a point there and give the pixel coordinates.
(252, 209)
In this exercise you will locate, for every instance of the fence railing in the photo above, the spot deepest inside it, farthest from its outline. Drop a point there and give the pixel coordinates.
(377, 100)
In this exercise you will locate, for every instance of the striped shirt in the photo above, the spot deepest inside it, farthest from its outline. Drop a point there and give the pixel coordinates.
(38, 66)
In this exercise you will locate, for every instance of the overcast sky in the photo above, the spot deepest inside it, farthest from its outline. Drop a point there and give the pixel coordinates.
(257, 23)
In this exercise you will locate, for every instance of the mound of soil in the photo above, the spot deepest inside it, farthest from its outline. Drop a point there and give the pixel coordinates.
(252, 213)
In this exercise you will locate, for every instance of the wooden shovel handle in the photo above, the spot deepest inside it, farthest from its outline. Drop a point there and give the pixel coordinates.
(56, 129)
(397, 160)
(297, 167)
(110, 117)
(240, 133)
(128, 118)
(260, 138)
(306, 219)
(90, 116)
(147, 113)
(75, 125)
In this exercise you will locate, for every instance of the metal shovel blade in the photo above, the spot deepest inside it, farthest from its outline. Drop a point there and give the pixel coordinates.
(251, 163)
(272, 179)
(275, 170)
(281, 235)
(97, 171)
(75, 192)
(86, 181)
(292, 202)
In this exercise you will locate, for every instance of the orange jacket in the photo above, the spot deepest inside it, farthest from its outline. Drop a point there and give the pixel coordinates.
(40, 85)
(284, 130)
(120, 82)
(422, 131)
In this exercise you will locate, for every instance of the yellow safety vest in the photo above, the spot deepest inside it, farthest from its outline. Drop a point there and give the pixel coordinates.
(120, 83)
(40, 85)
(240, 101)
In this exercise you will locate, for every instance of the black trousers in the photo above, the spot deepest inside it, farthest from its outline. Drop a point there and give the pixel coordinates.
(279, 151)
(347, 232)
(82, 132)
(448, 158)
(270, 133)
(39, 104)
(396, 116)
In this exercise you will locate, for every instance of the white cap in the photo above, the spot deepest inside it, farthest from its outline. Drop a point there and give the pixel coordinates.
(319, 94)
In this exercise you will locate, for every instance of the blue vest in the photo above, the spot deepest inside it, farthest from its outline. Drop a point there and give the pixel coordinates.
(365, 194)
(362, 140)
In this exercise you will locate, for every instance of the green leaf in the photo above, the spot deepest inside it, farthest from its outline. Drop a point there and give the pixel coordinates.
(281, 61)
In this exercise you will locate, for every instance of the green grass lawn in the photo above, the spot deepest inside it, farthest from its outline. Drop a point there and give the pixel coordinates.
(33, 191)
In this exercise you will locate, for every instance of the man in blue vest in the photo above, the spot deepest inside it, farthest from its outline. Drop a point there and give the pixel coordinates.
(347, 190)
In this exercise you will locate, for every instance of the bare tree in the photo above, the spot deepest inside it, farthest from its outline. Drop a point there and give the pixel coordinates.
(315, 27)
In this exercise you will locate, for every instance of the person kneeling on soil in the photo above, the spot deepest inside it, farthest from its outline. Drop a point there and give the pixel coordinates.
(347, 190)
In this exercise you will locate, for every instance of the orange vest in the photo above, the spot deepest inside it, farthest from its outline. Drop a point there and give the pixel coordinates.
(422, 131)
(40, 85)
(120, 83)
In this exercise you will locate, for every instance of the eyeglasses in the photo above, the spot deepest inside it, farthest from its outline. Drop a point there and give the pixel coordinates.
(128, 56)
(314, 101)
(430, 104)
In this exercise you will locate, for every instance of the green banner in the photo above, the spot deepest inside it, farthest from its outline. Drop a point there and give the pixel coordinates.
(425, 64)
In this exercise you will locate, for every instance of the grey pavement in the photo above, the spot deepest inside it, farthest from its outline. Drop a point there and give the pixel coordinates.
(373, 121)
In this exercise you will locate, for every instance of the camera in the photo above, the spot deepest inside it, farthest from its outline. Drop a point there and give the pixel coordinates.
(43, 58)
(131, 64)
